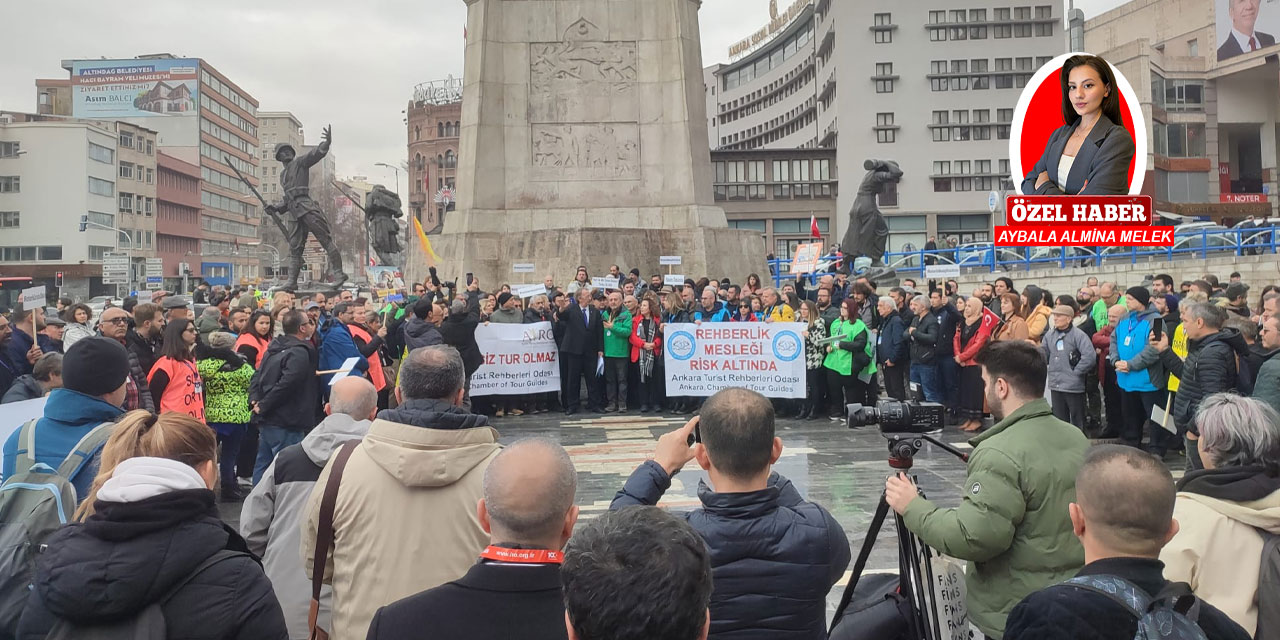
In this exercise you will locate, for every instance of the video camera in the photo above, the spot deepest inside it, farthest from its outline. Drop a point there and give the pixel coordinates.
(895, 416)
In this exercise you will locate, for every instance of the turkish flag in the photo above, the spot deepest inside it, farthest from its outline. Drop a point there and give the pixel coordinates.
(813, 226)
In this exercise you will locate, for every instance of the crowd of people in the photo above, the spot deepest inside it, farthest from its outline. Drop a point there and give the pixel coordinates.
(383, 506)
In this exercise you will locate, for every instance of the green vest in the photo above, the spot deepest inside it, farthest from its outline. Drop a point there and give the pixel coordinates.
(841, 360)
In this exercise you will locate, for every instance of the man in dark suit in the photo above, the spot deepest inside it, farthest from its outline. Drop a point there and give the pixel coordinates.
(583, 346)
(1242, 38)
(514, 591)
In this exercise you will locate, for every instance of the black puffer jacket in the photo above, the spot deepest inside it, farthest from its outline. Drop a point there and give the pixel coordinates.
(774, 555)
(420, 333)
(130, 555)
(459, 332)
(924, 339)
(286, 387)
(1209, 368)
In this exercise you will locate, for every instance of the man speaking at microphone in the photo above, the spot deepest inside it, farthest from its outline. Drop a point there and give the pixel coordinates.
(514, 590)
(1012, 524)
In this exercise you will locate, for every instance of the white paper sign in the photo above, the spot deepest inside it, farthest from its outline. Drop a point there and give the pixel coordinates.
(606, 282)
(518, 359)
(948, 598)
(345, 370)
(764, 357)
(14, 414)
(523, 267)
(942, 271)
(528, 290)
(673, 280)
(32, 298)
(673, 261)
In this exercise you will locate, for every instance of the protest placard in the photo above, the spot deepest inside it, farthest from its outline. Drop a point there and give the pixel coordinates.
(806, 258)
(528, 290)
(518, 359)
(703, 359)
(673, 280)
(606, 282)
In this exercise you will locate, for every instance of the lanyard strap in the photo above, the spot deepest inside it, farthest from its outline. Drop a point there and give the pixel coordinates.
(522, 556)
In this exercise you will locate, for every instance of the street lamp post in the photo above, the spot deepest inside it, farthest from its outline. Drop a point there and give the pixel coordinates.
(275, 256)
(393, 168)
(85, 223)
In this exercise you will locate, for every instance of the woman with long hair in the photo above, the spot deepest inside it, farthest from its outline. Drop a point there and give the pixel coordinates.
(757, 308)
(752, 287)
(79, 319)
(814, 354)
(174, 379)
(1036, 313)
(226, 376)
(253, 343)
(1090, 154)
(971, 336)
(846, 360)
(646, 353)
(149, 533)
(580, 280)
(1014, 326)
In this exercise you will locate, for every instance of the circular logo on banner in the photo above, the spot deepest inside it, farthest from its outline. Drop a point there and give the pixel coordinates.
(681, 345)
(1040, 112)
(787, 346)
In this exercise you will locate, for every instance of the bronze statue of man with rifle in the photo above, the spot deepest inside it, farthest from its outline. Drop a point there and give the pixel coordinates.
(302, 214)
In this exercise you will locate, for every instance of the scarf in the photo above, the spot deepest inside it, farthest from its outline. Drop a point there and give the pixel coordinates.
(968, 330)
(648, 329)
(137, 479)
(1232, 484)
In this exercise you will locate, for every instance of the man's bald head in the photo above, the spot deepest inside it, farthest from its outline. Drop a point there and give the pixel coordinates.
(1127, 498)
(114, 323)
(528, 494)
(355, 397)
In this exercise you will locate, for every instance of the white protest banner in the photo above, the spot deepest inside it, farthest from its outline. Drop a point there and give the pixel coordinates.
(673, 280)
(806, 259)
(32, 298)
(764, 357)
(669, 261)
(14, 414)
(528, 290)
(606, 282)
(518, 359)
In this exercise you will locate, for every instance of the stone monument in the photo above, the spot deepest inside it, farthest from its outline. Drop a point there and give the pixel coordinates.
(584, 141)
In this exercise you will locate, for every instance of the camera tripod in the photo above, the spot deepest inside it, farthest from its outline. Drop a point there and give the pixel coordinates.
(915, 558)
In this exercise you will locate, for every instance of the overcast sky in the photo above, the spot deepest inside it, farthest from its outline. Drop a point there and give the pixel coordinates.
(353, 65)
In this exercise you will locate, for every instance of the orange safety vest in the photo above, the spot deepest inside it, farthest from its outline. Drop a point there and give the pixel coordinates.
(185, 392)
(376, 375)
(256, 343)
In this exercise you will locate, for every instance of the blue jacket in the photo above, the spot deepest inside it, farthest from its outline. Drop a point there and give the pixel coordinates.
(774, 555)
(336, 347)
(892, 343)
(1131, 342)
(68, 416)
(721, 314)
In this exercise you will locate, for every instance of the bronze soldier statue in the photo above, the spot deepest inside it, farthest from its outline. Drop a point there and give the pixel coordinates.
(304, 214)
(382, 207)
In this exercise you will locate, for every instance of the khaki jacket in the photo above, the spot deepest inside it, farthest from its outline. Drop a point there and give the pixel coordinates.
(1218, 551)
(405, 519)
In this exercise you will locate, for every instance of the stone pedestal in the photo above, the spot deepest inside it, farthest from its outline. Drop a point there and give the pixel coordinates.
(584, 142)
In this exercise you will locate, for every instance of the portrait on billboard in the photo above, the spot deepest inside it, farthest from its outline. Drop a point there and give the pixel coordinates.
(1245, 26)
(1078, 130)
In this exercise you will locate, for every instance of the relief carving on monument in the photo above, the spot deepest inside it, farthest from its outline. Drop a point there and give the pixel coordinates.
(582, 81)
(603, 151)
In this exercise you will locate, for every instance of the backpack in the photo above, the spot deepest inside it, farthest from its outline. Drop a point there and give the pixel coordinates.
(1269, 588)
(148, 624)
(34, 502)
(1171, 614)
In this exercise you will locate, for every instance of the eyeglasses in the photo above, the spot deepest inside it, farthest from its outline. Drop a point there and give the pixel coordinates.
(117, 321)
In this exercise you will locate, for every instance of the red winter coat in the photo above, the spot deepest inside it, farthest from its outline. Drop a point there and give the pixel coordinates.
(966, 353)
(637, 343)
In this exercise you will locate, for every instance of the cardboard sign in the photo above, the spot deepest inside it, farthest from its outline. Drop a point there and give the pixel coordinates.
(528, 290)
(669, 261)
(806, 258)
(673, 280)
(518, 359)
(32, 298)
(942, 271)
(765, 357)
(522, 267)
(948, 598)
(607, 282)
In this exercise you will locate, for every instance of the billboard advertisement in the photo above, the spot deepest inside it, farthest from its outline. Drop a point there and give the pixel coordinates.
(1245, 26)
(135, 88)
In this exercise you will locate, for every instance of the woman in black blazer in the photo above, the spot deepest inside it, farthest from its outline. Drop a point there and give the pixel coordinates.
(1090, 155)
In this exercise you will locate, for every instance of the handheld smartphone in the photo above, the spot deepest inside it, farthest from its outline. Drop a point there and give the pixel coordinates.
(470, 277)
(1157, 328)
(696, 436)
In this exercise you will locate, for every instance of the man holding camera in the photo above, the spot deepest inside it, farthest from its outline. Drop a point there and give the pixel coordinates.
(1012, 523)
(774, 555)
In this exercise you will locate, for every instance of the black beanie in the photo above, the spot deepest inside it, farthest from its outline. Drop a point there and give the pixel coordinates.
(95, 366)
(1140, 294)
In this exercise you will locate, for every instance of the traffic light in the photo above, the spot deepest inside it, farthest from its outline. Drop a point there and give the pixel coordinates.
(57, 279)
(84, 223)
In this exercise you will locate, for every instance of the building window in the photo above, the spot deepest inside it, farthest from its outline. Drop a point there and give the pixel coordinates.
(126, 139)
(941, 167)
(886, 135)
(938, 67)
(9, 149)
(938, 35)
(9, 219)
(1044, 29)
(1022, 13)
(1001, 31)
(1022, 31)
(884, 81)
(883, 36)
(151, 176)
(884, 119)
(1186, 140)
(1183, 95)
(96, 186)
(942, 185)
(937, 17)
(1042, 61)
(151, 150)
(104, 219)
(1043, 12)
(126, 170)
(105, 155)
(1003, 15)
(1193, 48)
(126, 203)
(978, 33)
(888, 195)
(977, 15)
(450, 160)
(12, 184)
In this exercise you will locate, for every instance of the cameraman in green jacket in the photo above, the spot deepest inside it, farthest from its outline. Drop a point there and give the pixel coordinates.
(1012, 524)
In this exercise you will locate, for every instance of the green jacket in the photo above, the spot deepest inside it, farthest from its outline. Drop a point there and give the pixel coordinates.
(1012, 524)
(1267, 387)
(617, 341)
(1099, 313)
(226, 393)
(856, 339)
